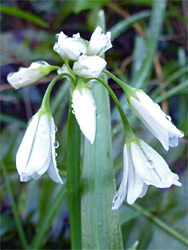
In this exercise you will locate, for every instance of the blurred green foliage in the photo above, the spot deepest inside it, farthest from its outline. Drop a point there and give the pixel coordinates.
(28, 31)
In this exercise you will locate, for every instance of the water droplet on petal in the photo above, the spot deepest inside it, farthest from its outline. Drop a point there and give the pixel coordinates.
(55, 154)
(168, 117)
(56, 144)
(150, 164)
(55, 129)
(73, 111)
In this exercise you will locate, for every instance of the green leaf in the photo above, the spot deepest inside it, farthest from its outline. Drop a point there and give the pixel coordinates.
(7, 224)
(47, 219)
(183, 100)
(81, 5)
(22, 14)
(123, 25)
(173, 91)
(73, 179)
(6, 118)
(153, 33)
(100, 225)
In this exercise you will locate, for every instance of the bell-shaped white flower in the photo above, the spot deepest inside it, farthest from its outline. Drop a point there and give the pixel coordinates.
(99, 42)
(155, 119)
(84, 108)
(70, 47)
(27, 76)
(142, 166)
(89, 66)
(36, 153)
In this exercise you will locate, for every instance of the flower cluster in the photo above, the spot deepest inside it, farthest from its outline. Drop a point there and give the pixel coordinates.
(87, 63)
(85, 54)
(142, 166)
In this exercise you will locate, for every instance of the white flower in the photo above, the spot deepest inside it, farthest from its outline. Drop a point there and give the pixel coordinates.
(64, 69)
(36, 153)
(70, 47)
(155, 119)
(84, 108)
(142, 166)
(27, 76)
(99, 42)
(89, 66)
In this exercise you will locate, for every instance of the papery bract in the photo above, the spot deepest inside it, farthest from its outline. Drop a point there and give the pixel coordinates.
(142, 166)
(27, 76)
(84, 108)
(89, 66)
(99, 42)
(70, 47)
(36, 153)
(155, 119)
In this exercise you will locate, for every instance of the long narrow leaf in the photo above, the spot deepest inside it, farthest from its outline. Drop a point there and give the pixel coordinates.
(153, 33)
(22, 14)
(48, 217)
(123, 25)
(100, 225)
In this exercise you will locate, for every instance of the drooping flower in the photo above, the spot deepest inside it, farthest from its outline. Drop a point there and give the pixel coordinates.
(155, 119)
(84, 108)
(27, 76)
(99, 42)
(89, 66)
(70, 47)
(36, 153)
(142, 166)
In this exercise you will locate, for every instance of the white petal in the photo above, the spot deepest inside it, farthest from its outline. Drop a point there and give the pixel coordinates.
(122, 191)
(152, 124)
(25, 177)
(30, 75)
(155, 119)
(26, 145)
(99, 42)
(40, 154)
(151, 167)
(89, 66)
(84, 108)
(136, 187)
(70, 47)
(52, 170)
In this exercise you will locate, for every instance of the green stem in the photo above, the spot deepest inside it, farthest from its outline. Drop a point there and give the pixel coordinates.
(129, 134)
(69, 69)
(54, 67)
(160, 223)
(74, 179)
(46, 99)
(15, 211)
(128, 90)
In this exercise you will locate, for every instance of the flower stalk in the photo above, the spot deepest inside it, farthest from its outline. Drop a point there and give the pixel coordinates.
(129, 134)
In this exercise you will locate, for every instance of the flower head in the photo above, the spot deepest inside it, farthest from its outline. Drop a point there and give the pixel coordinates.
(70, 47)
(89, 66)
(142, 166)
(36, 153)
(27, 76)
(155, 119)
(99, 42)
(84, 108)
